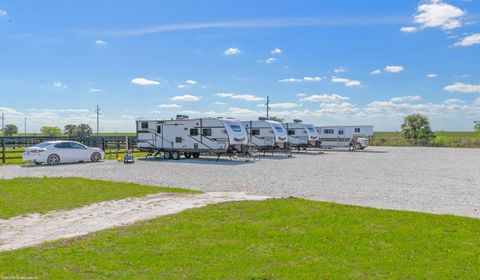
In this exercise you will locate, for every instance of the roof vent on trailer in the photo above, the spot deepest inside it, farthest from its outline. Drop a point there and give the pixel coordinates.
(182, 117)
(297, 121)
(262, 119)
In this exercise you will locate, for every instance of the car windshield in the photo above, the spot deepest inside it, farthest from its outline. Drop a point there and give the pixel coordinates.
(42, 145)
(236, 127)
(279, 129)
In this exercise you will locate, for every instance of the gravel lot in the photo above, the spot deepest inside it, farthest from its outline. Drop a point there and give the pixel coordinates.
(434, 180)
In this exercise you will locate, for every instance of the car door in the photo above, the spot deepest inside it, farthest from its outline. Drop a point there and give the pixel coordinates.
(64, 151)
(79, 152)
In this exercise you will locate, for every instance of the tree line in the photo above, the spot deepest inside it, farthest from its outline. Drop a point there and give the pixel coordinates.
(71, 130)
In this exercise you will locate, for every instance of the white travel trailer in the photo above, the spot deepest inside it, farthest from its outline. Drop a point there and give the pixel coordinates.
(340, 136)
(191, 137)
(265, 134)
(301, 135)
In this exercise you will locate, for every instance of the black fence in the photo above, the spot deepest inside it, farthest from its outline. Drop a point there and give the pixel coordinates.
(11, 148)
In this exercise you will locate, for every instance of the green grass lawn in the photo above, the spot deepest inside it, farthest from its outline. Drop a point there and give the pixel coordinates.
(273, 239)
(27, 195)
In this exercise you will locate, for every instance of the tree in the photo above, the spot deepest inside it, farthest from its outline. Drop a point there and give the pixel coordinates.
(477, 126)
(51, 131)
(277, 119)
(417, 126)
(10, 129)
(84, 130)
(70, 130)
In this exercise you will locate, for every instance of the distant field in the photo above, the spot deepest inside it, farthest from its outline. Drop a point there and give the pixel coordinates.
(455, 139)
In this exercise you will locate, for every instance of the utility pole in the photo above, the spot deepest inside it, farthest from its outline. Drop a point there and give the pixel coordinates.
(98, 118)
(25, 126)
(268, 105)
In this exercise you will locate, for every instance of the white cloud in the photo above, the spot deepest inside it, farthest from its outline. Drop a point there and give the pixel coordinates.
(181, 86)
(304, 79)
(438, 14)
(169, 106)
(270, 60)
(431, 76)
(301, 94)
(100, 42)
(247, 97)
(477, 101)
(144, 82)
(324, 98)
(59, 85)
(464, 88)
(3, 13)
(244, 97)
(406, 98)
(469, 40)
(224, 94)
(276, 51)
(287, 105)
(191, 82)
(337, 108)
(453, 101)
(186, 98)
(376, 72)
(394, 69)
(340, 69)
(232, 51)
(408, 29)
(95, 90)
(347, 82)
(220, 103)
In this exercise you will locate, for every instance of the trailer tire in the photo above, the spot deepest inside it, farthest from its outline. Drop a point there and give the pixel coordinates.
(187, 155)
(196, 155)
(175, 155)
(167, 155)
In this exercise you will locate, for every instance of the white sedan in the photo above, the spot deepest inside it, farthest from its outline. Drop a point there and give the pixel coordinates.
(55, 152)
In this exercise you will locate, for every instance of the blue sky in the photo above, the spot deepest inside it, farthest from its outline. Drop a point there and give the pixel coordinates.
(326, 62)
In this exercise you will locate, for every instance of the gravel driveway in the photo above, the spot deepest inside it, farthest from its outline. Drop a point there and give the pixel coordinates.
(434, 180)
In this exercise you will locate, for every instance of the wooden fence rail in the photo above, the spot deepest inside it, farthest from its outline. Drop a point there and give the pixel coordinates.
(112, 145)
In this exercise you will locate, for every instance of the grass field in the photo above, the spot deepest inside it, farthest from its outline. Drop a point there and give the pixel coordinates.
(27, 195)
(455, 139)
(273, 239)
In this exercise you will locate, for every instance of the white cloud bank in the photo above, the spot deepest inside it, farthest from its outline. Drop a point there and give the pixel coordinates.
(231, 51)
(324, 98)
(144, 82)
(438, 14)
(347, 82)
(469, 41)
(244, 97)
(463, 88)
(186, 98)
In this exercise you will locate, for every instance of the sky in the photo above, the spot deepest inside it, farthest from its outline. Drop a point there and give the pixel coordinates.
(324, 62)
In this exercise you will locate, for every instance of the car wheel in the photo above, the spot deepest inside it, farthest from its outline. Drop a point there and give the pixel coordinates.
(175, 155)
(96, 157)
(196, 155)
(187, 155)
(167, 155)
(53, 159)
(358, 146)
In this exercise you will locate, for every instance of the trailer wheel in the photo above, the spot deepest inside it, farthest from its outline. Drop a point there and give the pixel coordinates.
(196, 155)
(175, 155)
(358, 146)
(167, 155)
(187, 155)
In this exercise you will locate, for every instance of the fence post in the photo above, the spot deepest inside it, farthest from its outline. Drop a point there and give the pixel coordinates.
(103, 143)
(3, 150)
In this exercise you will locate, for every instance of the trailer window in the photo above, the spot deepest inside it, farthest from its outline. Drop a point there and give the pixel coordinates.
(207, 132)
(357, 129)
(236, 128)
(291, 132)
(340, 132)
(159, 129)
(255, 131)
(144, 125)
(328, 131)
(178, 139)
(193, 131)
(311, 129)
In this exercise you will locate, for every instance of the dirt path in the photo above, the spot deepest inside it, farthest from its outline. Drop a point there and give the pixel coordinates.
(33, 229)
